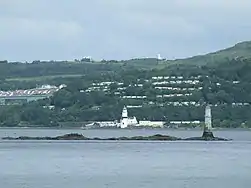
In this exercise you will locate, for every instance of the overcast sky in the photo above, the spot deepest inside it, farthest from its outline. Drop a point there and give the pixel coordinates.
(120, 29)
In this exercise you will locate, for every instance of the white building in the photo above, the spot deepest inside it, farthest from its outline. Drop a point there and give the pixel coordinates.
(127, 121)
(159, 57)
(102, 124)
(132, 121)
(154, 124)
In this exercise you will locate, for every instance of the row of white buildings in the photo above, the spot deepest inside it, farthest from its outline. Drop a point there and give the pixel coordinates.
(126, 121)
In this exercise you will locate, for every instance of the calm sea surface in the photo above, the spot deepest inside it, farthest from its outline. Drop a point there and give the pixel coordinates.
(82, 164)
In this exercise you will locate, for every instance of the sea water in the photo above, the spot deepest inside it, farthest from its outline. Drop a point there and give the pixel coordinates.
(123, 164)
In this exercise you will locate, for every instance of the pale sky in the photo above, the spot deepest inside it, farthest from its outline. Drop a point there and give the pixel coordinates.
(120, 29)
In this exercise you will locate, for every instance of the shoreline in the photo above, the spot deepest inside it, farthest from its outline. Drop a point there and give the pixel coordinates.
(107, 129)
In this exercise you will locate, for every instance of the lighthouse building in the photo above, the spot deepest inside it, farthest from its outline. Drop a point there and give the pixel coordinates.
(127, 121)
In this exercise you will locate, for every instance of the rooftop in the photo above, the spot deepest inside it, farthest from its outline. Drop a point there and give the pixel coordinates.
(43, 90)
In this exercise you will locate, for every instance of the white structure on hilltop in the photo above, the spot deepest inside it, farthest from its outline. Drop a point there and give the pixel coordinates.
(127, 121)
(208, 119)
(159, 57)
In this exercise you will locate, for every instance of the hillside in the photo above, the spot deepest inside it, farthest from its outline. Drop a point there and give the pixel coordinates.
(40, 70)
(239, 51)
(176, 93)
(154, 90)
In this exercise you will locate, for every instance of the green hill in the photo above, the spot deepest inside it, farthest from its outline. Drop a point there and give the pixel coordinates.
(226, 85)
(239, 51)
(43, 72)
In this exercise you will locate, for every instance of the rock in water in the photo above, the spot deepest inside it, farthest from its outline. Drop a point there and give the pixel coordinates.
(208, 134)
(74, 136)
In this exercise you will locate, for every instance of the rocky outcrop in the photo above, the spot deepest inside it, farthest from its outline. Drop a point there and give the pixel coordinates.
(81, 137)
(157, 137)
(206, 139)
(207, 136)
(72, 136)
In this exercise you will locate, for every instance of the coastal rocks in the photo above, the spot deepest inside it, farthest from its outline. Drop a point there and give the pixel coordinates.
(207, 136)
(72, 136)
(206, 139)
(157, 137)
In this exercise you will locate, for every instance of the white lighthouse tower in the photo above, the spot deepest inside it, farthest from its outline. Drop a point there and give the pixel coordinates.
(208, 118)
(208, 122)
(124, 118)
